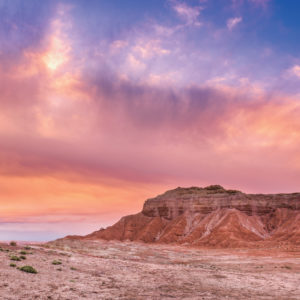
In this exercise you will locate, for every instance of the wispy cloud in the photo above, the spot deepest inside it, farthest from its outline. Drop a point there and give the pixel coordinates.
(188, 13)
(295, 71)
(233, 22)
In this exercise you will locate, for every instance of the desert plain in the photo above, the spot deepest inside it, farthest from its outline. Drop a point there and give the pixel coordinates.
(134, 270)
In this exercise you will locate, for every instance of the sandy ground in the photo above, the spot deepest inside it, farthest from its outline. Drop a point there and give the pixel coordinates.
(115, 270)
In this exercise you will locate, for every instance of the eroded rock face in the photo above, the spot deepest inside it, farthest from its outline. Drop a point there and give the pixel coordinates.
(211, 216)
(200, 200)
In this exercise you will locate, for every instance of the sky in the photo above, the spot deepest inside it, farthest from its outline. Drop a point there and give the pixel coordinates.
(104, 104)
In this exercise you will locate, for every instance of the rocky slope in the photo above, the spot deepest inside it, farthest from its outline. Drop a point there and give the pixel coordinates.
(211, 216)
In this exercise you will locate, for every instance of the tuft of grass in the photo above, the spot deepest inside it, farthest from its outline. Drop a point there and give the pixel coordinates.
(15, 258)
(56, 262)
(287, 267)
(12, 243)
(23, 252)
(22, 257)
(28, 269)
(219, 276)
(12, 265)
(73, 269)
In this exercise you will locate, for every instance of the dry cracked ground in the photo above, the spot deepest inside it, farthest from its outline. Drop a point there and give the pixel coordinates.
(124, 270)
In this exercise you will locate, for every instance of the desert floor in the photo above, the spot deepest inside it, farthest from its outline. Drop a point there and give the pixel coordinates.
(115, 270)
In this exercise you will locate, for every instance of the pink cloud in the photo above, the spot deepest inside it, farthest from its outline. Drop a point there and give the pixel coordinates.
(295, 71)
(99, 126)
(233, 22)
(189, 14)
(218, 125)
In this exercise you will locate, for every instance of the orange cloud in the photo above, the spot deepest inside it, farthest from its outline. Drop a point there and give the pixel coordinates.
(59, 49)
(50, 199)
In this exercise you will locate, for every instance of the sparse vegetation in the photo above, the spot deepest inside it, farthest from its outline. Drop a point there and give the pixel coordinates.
(27, 247)
(56, 262)
(232, 191)
(214, 187)
(287, 267)
(15, 258)
(219, 276)
(90, 271)
(12, 243)
(23, 257)
(23, 252)
(28, 269)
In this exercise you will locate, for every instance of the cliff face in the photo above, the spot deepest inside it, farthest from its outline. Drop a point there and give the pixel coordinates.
(211, 216)
(206, 200)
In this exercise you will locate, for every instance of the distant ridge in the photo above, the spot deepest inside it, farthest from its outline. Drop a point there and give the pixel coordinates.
(211, 217)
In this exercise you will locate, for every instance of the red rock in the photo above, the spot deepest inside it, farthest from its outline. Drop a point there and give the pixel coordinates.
(211, 217)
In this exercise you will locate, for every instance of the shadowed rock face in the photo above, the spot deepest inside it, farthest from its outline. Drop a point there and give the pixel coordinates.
(213, 217)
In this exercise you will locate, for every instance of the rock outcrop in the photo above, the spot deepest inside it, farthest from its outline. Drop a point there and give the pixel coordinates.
(213, 217)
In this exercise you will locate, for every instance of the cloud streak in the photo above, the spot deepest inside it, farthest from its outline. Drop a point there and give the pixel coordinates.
(233, 22)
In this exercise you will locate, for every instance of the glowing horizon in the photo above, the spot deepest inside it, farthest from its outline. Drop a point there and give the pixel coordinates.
(104, 104)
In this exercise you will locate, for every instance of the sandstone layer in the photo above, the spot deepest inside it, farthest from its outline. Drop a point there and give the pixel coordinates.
(213, 217)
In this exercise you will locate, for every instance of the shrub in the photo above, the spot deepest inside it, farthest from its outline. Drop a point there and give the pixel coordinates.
(23, 252)
(12, 243)
(12, 265)
(232, 191)
(23, 257)
(27, 247)
(214, 187)
(28, 269)
(56, 262)
(15, 258)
